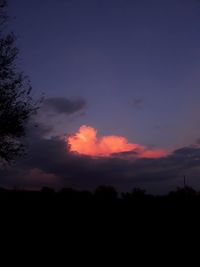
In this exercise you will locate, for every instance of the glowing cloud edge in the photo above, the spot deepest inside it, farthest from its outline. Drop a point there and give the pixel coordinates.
(86, 142)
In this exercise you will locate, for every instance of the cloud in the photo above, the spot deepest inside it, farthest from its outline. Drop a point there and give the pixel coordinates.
(38, 129)
(49, 162)
(137, 102)
(62, 105)
(86, 142)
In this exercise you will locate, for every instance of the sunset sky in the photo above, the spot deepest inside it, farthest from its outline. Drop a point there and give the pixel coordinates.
(124, 69)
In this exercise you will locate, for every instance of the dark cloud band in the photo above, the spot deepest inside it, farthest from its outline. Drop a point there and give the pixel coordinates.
(51, 158)
(63, 105)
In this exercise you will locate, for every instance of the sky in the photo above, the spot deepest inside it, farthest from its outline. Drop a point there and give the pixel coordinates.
(124, 68)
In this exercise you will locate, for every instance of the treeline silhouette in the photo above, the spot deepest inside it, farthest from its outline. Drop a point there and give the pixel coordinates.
(104, 206)
(101, 195)
(104, 209)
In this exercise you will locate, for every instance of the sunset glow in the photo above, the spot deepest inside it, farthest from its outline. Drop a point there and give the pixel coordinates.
(86, 142)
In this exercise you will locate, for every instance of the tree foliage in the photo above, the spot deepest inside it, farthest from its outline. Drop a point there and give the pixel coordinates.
(16, 103)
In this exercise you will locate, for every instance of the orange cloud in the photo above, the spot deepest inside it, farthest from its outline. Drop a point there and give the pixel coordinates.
(86, 142)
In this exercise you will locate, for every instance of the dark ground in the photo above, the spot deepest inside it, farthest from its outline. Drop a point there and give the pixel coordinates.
(100, 223)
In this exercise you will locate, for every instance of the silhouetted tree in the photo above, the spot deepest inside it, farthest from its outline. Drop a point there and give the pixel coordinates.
(69, 194)
(47, 190)
(104, 192)
(16, 103)
(186, 192)
(136, 194)
(85, 196)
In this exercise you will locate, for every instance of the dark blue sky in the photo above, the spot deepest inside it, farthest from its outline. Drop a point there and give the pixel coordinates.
(128, 68)
(136, 63)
